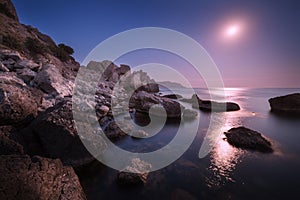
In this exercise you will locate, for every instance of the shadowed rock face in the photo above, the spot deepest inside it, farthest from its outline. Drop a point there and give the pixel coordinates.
(286, 104)
(53, 135)
(23, 177)
(8, 9)
(245, 138)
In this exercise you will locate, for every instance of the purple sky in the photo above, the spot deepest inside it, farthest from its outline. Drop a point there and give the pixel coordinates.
(266, 52)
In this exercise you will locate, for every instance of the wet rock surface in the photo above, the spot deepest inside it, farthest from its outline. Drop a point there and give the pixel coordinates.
(134, 174)
(246, 138)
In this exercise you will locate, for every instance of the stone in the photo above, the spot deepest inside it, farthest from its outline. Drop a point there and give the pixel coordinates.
(123, 69)
(103, 110)
(26, 74)
(17, 104)
(173, 96)
(50, 80)
(143, 101)
(288, 104)
(7, 145)
(212, 106)
(27, 64)
(134, 174)
(8, 9)
(113, 132)
(246, 138)
(3, 68)
(23, 177)
(189, 114)
(53, 134)
(138, 134)
(6, 54)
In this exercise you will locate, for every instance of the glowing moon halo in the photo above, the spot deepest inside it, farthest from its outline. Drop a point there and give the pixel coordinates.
(232, 30)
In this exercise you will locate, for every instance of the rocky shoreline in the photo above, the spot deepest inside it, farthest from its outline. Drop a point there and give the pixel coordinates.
(39, 144)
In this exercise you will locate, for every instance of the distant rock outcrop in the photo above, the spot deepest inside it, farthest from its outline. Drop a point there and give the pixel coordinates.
(212, 106)
(246, 138)
(289, 104)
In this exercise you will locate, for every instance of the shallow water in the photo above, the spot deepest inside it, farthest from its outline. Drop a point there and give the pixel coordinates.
(226, 172)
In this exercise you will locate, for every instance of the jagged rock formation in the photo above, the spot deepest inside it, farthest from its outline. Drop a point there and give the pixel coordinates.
(23, 177)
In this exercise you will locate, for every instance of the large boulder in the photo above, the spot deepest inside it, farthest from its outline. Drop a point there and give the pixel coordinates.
(246, 138)
(212, 106)
(53, 134)
(23, 177)
(142, 101)
(17, 104)
(50, 80)
(286, 104)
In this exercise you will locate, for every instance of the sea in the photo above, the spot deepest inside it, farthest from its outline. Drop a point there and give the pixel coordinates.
(225, 172)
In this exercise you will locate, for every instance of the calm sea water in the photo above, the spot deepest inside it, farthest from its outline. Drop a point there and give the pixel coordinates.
(226, 172)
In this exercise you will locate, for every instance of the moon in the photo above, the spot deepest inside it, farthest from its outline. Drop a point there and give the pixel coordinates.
(232, 31)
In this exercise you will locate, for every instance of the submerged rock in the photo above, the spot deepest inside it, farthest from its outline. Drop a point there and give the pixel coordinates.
(286, 104)
(134, 174)
(23, 177)
(245, 138)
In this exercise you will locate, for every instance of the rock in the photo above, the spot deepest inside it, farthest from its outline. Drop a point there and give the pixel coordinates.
(113, 132)
(138, 134)
(143, 101)
(10, 54)
(17, 104)
(207, 105)
(245, 138)
(134, 174)
(37, 178)
(27, 64)
(189, 114)
(9, 146)
(26, 74)
(179, 194)
(53, 134)
(289, 104)
(3, 68)
(103, 110)
(173, 96)
(123, 69)
(50, 80)
(9, 64)
(8, 9)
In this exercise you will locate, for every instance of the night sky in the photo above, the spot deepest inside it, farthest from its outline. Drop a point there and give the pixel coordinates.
(266, 52)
